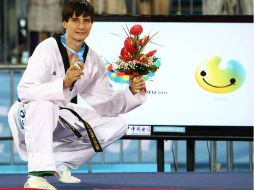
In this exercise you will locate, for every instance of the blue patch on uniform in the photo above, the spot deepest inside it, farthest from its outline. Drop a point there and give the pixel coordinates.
(21, 117)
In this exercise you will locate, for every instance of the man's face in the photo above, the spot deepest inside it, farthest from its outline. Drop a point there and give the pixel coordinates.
(78, 28)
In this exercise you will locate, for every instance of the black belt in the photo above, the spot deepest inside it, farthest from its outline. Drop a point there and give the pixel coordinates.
(94, 141)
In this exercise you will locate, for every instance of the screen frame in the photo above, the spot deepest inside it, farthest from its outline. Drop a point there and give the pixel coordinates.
(203, 132)
(175, 18)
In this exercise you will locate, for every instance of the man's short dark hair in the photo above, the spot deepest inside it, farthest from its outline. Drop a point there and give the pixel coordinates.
(79, 7)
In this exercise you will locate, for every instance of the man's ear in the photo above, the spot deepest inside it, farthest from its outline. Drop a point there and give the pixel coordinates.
(65, 24)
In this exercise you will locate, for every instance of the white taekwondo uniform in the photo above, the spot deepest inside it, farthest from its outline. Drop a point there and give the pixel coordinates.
(47, 144)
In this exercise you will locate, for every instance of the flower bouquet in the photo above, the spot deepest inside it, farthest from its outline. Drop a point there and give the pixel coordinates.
(132, 59)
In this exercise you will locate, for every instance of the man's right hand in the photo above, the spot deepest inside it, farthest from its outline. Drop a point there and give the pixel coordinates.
(73, 73)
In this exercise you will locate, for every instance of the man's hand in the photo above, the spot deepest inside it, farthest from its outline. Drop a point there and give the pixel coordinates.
(73, 73)
(137, 83)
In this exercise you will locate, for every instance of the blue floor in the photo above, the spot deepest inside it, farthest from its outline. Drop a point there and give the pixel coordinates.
(172, 180)
(94, 168)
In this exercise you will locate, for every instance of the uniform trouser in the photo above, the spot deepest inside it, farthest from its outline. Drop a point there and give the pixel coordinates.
(51, 146)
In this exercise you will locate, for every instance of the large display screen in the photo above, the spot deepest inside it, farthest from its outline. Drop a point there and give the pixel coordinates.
(206, 73)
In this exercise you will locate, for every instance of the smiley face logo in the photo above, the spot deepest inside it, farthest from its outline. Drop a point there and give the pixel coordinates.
(211, 77)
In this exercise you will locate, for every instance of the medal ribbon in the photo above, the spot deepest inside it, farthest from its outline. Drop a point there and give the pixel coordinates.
(79, 53)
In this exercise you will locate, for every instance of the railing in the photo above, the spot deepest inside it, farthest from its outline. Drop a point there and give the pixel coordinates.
(12, 69)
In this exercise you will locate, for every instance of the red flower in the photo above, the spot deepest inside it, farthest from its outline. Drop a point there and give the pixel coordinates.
(129, 45)
(125, 54)
(124, 58)
(144, 41)
(151, 53)
(136, 29)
